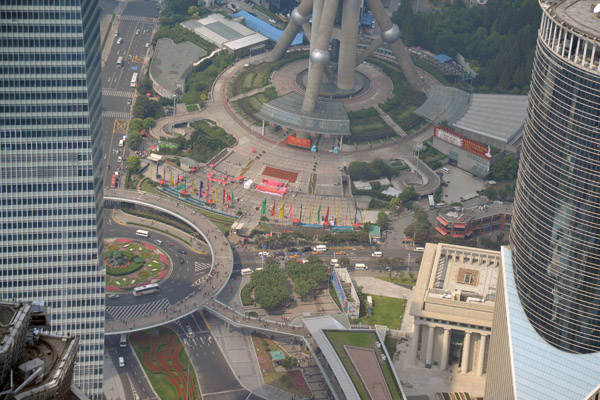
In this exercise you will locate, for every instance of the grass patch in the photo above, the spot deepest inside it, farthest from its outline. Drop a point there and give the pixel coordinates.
(250, 78)
(401, 279)
(249, 106)
(149, 186)
(247, 299)
(390, 345)
(371, 128)
(387, 311)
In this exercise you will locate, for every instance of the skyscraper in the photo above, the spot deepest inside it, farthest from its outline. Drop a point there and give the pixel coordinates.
(548, 307)
(51, 206)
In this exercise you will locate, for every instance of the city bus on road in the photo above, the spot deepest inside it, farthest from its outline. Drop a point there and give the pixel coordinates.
(120, 61)
(142, 233)
(134, 79)
(146, 289)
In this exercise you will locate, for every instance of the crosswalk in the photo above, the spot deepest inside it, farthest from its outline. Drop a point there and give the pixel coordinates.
(131, 312)
(115, 114)
(199, 267)
(116, 93)
(136, 18)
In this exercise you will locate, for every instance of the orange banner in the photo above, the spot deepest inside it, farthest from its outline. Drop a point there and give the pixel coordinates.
(298, 142)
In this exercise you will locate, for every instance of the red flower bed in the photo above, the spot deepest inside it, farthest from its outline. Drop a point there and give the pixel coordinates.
(299, 381)
(149, 246)
(113, 289)
(123, 240)
(163, 258)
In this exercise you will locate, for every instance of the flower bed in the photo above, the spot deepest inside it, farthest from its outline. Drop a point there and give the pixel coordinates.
(299, 381)
(160, 353)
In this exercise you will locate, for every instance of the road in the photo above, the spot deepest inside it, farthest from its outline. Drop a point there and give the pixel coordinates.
(132, 377)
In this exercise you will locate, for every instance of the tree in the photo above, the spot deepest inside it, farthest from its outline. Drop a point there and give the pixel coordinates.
(382, 220)
(133, 164)
(270, 288)
(135, 140)
(144, 107)
(344, 261)
(505, 168)
(408, 195)
(144, 85)
(420, 227)
(289, 363)
(490, 193)
(193, 11)
(148, 123)
(135, 125)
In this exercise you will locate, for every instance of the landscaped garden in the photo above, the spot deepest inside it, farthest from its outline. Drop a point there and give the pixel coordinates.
(291, 381)
(166, 363)
(130, 263)
(387, 311)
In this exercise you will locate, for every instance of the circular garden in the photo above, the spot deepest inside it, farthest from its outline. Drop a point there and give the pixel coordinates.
(130, 263)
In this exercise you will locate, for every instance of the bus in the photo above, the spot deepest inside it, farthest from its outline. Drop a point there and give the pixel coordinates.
(134, 80)
(146, 289)
(120, 61)
(246, 271)
(143, 233)
(123, 341)
(320, 247)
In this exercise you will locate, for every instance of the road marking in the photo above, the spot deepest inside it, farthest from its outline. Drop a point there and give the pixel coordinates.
(116, 114)
(121, 126)
(199, 267)
(116, 93)
(132, 312)
(205, 321)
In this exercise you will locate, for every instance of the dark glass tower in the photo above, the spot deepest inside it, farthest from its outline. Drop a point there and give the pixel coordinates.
(555, 232)
(51, 206)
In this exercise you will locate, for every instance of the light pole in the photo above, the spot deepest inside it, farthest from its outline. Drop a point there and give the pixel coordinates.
(418, 148)
(174, 100)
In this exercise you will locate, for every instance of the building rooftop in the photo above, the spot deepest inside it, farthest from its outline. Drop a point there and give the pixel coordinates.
(457, 283)
(262, 27)
(224, 32)
(496, 116)
(577, 15)
(444, 104)
(171, 61)
(329, 117)
(7, 313)
(466, 214)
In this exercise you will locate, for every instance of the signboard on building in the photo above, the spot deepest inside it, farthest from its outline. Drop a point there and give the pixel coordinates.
(298, 142)
(339, 290)
(456, 139)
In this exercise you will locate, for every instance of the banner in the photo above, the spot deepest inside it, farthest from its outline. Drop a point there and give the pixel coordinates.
(299, 142)
(456, 139)
(264, 207)
(281, 210)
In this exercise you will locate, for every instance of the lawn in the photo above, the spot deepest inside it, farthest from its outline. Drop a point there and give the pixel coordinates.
(275, 376)
(249, 78)
(387, 311)
(165, 362)
(401, 279)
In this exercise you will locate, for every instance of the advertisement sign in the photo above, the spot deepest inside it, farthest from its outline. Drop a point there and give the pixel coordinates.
(456, 139)
(339, 290)
(298, 142)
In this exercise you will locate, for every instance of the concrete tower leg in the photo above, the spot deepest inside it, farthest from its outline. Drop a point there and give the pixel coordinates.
(368, 51)
(319, 56)
(347, 59)
(300, 15)
(391, 35)
(317, 9)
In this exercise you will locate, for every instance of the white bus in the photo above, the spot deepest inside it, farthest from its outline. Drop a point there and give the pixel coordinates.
(320, 247)
(120, 61)
(146, 289)
(143, 233)
(134, 79)
(123, 341)
(360, 267)
(246, 271)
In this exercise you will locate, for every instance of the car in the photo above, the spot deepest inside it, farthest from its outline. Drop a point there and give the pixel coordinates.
(182, 251)
(119, 40)
(129, 101)
(294, 256)
(181, 260)
(120, 159)
(114, 296)
(444, 184)
(306, 249)
(388, 268)
(317, 252)
(292, 250)
(339, 253)
(189, 331)
(116, 33)
(158, 242)
(137, 32)
(263, 254)
(147, 45)
(121, 362)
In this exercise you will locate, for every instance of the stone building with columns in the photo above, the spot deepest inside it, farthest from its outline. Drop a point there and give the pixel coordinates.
(453, 307)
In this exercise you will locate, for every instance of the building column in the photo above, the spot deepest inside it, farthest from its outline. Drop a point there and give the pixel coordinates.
(465, 355)
(414, 349)
(481, 357)
(429, 354)
(347, 58)
(445, 349)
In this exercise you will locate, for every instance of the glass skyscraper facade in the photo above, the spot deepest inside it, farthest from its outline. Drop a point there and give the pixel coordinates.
(555, 231)
(51, 162)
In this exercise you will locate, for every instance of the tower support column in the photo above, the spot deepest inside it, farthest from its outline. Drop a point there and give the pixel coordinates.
(347, 58)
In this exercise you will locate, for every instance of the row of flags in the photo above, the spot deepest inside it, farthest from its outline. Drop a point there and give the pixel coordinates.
(263, 211)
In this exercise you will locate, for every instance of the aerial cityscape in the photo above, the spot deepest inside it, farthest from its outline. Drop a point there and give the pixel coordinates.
(300, 199)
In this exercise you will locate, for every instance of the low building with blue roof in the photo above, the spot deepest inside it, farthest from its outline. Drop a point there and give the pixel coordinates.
(264, 28)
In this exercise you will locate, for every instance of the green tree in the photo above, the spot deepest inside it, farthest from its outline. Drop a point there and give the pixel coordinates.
(289, 363)
(135, 125)
(144, 85)
(135, 140)
(344, 261)
(270, 288)
(408, 195)
(133, 164)
(505, 168)
(490, 193)
(144, 108)
(148, 123)
(420, 227)
(382, 220)
(193, 11)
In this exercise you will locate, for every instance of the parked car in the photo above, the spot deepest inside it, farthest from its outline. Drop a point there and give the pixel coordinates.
(264, 254)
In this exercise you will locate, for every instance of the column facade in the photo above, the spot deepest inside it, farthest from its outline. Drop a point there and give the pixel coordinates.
(445, 349)
(429, 354)
(481, 357)
(466, 353)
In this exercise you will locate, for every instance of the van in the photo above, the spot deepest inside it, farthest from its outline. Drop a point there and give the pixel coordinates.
(334, 261)
(377, 254)
(360, 267)
(246, 271)
(320, 247)
(121, 362)
(121, 143)
(445, 170)
(419, 249)
(123, 341)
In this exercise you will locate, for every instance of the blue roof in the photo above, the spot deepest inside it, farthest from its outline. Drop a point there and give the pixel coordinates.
(442, 58)
(264, 28)
(366, 19)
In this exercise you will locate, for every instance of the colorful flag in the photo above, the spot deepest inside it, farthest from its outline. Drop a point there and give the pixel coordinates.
(327, 215)
(224, 196)
(300, 212)
(172, 179)
(365, 216)
(291, 211)
(273, 211)
(281, 210)
(309, 214)
(264, 207)
(215, 195)
(201, 185)
(164, 172)
(355, 212)
(231, 199)
(319, 214)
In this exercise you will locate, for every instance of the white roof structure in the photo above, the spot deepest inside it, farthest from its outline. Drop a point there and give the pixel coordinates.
(496, 116)
(223, 32)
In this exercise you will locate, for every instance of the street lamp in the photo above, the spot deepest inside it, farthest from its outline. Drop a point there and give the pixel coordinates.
(174, 100)
(418, 148)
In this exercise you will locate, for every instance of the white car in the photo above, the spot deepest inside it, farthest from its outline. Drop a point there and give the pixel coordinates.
(147, 45)
(263, 253)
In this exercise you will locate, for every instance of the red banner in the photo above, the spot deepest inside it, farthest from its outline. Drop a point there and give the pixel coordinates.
(298, 142)
(456, 139)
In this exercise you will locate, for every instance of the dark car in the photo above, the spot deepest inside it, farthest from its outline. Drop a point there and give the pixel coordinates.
(306, 249)
(292, 249)
(182, 251)
(181, 260)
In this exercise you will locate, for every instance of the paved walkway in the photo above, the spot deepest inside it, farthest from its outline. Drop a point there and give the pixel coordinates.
(222, 261)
